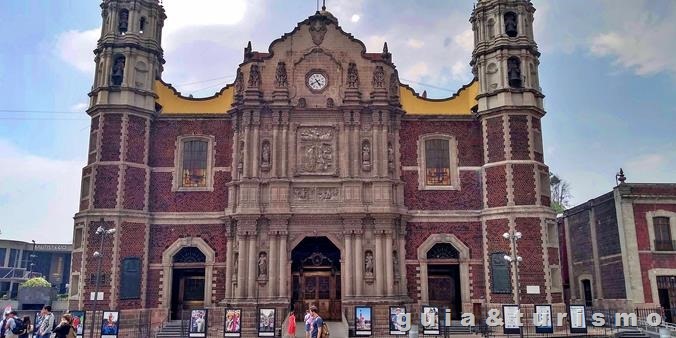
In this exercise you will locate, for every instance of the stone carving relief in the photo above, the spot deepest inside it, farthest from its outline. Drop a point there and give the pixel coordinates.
(395, 263)
(366, 155)
(302, 194)
(316, 150)
(394, 85)
(235, 267)
(390, 156)
(319, 194)
(240, 163)
(280, 76)
(327, 194)
(239, 82)
(318, 30)
(141, 71)
(262, 265)
(302, 103)
(329, 103)
(379, 77)
(266, 155)
(352, 76)
(254, 76)
(492, 76)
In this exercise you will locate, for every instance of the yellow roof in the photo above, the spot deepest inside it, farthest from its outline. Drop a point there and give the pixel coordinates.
(173, 103)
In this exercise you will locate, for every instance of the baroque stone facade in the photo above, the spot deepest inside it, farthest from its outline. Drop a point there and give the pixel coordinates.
(315, 178)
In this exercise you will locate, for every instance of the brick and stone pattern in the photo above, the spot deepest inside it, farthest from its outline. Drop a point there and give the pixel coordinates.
(607, 232)
(112, 135)
(523, 178)
(468, 197)
(136, 139)
(468, 232)
(496, 139)
(165, 132)
(162, 199)
(105, 189)
(163, 235)
(580, 237)
(132, 245)
(612, 278)
(519, 137)
(467, 134)
(496, 186)
(532, 268)
(497, 244)
(134, 188)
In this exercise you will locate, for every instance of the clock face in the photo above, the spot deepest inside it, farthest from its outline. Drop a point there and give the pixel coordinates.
(316, 81)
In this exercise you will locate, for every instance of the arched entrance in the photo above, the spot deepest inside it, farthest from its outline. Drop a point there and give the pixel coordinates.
(315, 270)
(188, 282)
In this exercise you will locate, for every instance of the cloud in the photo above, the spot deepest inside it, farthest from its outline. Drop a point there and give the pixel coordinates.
(75, 48)
(39, 196)
(465, 40)
(80, 106)
(647, 163)
(355, 18)
(415, 43)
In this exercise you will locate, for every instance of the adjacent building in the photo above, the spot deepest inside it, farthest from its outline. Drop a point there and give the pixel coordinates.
(317, 177)
(621, 250)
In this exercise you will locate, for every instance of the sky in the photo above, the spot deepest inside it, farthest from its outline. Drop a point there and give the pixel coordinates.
(607, 70)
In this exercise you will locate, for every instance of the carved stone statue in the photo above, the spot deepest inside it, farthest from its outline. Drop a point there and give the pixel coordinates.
(254, 76)
(329, 103)
(301, 103)
(368, 263)
(265, 154)
(262, 265)
(510, 24)
(239, 82)
(235, 267)
(366, 153)
(395, 263)
(240, 164)
(379, 77)
(280, 76)
(317, 30)
(514, 72)
(123, 25)
(390, 156)
(394, 85)
(118, 71)
(352, 76)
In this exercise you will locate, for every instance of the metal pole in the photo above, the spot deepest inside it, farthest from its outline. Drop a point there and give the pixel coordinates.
(32, 257)
(516, 272)
(98, 280)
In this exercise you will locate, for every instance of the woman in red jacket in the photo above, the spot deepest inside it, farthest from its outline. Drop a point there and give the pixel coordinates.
(292, 325)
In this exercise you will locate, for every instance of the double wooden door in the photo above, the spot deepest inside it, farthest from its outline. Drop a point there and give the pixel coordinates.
(318, 288)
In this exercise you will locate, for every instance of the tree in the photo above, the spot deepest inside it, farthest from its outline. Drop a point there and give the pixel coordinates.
(560, 193)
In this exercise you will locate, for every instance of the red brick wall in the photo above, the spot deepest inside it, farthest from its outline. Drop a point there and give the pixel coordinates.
(163, 235)
(105, 191)
(496, 139)
(134, 188)
(468, 232)
(641, 222)
(519, 136)
(523, 178)
(469, 197)
(112, 134)
(612, 279)
(496, 186)
(412, 281)
(92, 140)
(553, 254)
(467, 133)
(136, 139)
(132, 244)
(496, 243)
(164, 133)
(529, 247)
(153, 288)
(164, 200)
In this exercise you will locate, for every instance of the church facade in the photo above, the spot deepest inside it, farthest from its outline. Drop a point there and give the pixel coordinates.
(315, 178)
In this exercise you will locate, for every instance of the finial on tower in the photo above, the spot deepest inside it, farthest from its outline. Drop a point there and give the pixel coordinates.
(619, 177)
(323, 5)
(385, 51)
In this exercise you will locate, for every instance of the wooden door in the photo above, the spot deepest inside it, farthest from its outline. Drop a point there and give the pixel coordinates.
(319, 289)
(191, 292)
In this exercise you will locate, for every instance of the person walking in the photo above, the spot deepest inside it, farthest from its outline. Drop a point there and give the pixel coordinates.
(3, 325)
(11, 325)
(65, 328)
(291, 331)
(47, 323)
(28, 327)
(317, 323)
(308, 323)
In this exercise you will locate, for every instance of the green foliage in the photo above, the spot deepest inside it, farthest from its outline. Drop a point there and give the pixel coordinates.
(37, 282)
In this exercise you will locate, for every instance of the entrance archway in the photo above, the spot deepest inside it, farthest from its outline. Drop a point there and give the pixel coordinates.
(315, 271)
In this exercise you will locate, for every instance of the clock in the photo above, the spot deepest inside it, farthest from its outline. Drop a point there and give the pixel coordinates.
(317, 81)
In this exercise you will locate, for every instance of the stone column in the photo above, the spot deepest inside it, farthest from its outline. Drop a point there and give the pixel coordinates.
(255, 145)
(375, 144)
(380, 271)
(359, 264)
(389, 264)
(283, 265)
(246, 120)
(272, 267)
(349, 263)
(241, 271)
(228, 267)
(344, 150)
(252, 257)
(275, 148)
(402, 265)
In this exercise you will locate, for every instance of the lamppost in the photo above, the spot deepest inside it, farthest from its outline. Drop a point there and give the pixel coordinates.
(101, 232)
(513, 236)
(32, 257)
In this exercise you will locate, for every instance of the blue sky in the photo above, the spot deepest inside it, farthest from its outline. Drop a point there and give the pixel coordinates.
(607, 69)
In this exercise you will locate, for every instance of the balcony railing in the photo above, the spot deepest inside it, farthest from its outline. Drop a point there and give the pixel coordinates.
(661, 245)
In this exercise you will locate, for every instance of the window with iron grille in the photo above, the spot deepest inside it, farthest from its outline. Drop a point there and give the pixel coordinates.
(437, 162)
(130, 278)
(194, 166)
(663, 239)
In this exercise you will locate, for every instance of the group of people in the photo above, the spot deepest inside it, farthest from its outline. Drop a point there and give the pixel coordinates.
(45, 327)
(314, 324)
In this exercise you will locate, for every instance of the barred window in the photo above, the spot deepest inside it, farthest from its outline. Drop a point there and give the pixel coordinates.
(663, 239)
(194, 171)
(437, 162)
(130, 278)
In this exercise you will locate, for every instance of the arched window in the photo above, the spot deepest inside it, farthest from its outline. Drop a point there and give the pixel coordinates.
(194, 164)
(190, 254)
(443, 251)
(142, 25)
(437, 162)
(511, 24)
(514, 72)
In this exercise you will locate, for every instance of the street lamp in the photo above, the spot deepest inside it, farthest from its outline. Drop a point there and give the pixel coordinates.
(514, 259)
(32, 257)
(101, 232)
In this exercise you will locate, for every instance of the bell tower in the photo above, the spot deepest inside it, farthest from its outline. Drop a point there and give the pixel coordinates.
(516, 180)
(115, 181)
